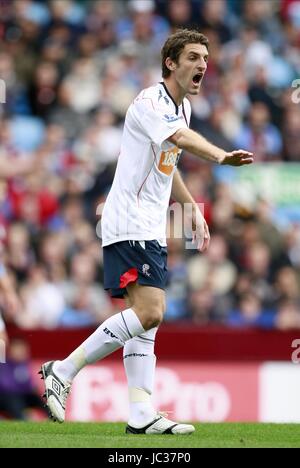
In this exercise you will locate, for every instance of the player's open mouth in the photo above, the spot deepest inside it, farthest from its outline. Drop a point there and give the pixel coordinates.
(197, 78)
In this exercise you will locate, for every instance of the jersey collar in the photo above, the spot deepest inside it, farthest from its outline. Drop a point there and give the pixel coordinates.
(176, 106)
(167, 91)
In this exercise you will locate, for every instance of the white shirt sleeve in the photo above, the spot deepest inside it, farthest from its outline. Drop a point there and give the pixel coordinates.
(158, 123)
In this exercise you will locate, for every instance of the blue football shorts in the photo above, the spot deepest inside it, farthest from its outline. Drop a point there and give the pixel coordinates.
(144, 262)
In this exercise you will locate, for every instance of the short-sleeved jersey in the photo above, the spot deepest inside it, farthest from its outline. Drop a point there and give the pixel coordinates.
(136, 206)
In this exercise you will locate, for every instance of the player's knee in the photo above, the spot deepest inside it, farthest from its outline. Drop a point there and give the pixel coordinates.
(156, 317)
(153, 320)
(152, 316)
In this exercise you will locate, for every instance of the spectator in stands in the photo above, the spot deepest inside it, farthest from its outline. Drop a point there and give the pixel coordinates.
(17, 391)
(20, 254)
(291, 134)
(201, 305)
(258, 264)
(86, 302)
(288, 316)
(43, 90)
(260, 135)
(250, 313)
(287, 286)
(215, 265)
(214, 15)
(177, 287)
(43, 302)
(179, 13)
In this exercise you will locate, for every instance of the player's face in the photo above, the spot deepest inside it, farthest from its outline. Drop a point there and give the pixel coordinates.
(191, 68)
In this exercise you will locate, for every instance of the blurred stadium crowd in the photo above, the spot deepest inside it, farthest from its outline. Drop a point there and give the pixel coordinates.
(71, 69)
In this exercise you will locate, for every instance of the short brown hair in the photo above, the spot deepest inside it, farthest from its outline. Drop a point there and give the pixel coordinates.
(175, 43)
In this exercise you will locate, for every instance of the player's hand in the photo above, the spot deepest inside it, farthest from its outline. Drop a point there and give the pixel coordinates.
(201, 233)
(238, 158)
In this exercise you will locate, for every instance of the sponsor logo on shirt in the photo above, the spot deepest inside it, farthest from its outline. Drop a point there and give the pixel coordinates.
(168, 160)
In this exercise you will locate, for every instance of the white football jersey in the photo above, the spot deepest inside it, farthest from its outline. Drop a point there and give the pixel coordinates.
(137, 204)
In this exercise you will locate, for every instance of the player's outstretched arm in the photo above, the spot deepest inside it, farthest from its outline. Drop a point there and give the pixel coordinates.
(196, 144)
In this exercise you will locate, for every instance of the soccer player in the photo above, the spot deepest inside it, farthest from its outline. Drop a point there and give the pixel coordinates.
(134, 230)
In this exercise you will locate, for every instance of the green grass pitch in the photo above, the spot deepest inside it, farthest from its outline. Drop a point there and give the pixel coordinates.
(111, 435)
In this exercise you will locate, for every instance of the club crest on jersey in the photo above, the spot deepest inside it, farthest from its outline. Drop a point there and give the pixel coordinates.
(145, 269)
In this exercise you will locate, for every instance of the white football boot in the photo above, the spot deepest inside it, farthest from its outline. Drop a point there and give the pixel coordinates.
(56, 392)
(161, 425)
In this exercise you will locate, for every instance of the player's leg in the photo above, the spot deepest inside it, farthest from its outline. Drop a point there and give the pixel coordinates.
(123, 263)
(114, 332)
(139, 363)
(109, 336)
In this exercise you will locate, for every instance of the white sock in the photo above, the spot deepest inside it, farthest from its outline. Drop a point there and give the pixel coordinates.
(109, 336)
(139, 362)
